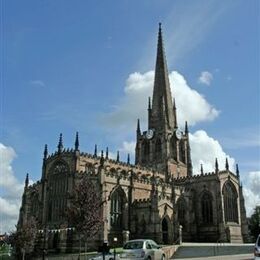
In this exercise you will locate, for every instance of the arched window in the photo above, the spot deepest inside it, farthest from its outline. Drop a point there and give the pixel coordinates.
(116, 209)
(206, 208)
(165, 231)
(230, 202)
(181, 211)
(57, 190)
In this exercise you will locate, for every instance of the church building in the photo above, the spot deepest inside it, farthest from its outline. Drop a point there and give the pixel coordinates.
(152, 198)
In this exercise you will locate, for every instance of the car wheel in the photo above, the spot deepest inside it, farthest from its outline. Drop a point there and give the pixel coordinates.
(149, 258)
(163, 257)
(111, 258)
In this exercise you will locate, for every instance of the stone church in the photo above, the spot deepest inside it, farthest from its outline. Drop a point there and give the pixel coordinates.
(154, 198)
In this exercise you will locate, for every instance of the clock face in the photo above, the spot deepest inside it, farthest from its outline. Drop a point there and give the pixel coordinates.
(149, 134)
(178, 134)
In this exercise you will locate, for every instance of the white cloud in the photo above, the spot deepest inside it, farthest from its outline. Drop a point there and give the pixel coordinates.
(38, 83)
(139, 87)
(205, 78)
(11, 200)
(204, 150)
(8, 180)
(251, 191)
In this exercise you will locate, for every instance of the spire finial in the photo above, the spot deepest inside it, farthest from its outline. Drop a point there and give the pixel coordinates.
(95, 151)
(227, 166)
(102, 158)
(186, 128)
(60, 144)
(160, 26)
(117, 156)
(106, 153)
(128, 158)
(45, 153)
(201, 169)
(138, 130)
(216, 165)
(77, 141)
(149, 103)
(237, 171)
(26, 183)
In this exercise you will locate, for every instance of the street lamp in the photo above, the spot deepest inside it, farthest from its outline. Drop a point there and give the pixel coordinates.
(115, 241)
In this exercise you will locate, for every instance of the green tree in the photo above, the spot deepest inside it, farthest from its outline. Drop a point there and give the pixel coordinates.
(84, 210)
(24, 238)
(254, 223)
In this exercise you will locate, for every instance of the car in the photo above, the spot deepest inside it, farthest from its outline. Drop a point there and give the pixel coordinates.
(142, 249)
(257, 248)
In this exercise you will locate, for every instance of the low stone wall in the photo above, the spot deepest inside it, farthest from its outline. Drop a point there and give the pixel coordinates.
(169, 251)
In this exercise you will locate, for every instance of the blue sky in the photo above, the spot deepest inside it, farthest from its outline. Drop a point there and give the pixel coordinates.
(68, 66)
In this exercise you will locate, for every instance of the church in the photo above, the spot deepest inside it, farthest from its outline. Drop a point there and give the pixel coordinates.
(154, 198)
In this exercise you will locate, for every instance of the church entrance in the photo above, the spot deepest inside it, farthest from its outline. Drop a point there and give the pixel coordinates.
(165, 231)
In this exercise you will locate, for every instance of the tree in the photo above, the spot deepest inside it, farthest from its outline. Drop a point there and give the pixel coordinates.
(254, 223)
(84, 210)
(24, 238)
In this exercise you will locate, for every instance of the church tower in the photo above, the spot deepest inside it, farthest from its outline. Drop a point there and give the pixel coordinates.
(163, 146)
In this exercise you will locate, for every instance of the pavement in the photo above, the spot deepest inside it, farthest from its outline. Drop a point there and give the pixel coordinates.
(223, 257)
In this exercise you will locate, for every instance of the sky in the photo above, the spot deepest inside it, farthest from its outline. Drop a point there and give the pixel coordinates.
(88, 66)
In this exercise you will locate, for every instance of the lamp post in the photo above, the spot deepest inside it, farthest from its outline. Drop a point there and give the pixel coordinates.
(115, 240)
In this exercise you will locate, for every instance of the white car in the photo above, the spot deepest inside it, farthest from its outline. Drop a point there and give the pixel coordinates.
(257, 248)
(142, 249)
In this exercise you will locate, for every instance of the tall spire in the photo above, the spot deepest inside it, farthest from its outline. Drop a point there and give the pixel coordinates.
(128, 158)
(161, 113)
(60, 144)
(77, 142)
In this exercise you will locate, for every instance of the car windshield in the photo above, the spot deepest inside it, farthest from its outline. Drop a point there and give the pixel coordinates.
(134, 245)
(258, 241)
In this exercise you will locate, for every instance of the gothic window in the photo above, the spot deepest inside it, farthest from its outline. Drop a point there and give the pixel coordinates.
(181, 211)
(57, 190)
(60, 168)
(230, 202)
(116, 210)
(206, 208)
(158, 149)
